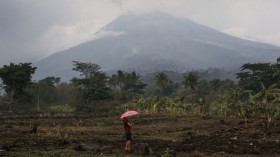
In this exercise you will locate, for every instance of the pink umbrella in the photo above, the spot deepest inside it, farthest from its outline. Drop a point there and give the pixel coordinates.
(129, 113)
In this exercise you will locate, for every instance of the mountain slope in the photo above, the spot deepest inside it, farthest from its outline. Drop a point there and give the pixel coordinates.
(155, 42)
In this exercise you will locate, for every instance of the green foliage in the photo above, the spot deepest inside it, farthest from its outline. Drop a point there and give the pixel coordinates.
(127, 84)
(155, 105)
(163, 82)
(255, 95)
(61, 108)
(66, 93)
(133, 85)
(44, 91)
(269, 100)
(93, 87)
(190, 80)
(166, 153)
(16, 78)
(253, 76)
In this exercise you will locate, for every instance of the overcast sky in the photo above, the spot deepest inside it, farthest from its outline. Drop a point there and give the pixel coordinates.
(33, 29)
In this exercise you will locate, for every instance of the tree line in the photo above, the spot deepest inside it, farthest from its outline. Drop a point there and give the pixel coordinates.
(256, 93)
(85, 93)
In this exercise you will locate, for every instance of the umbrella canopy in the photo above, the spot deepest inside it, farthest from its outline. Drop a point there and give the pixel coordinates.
(129, 113)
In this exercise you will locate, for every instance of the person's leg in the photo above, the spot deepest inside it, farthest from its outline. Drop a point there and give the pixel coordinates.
(128, 145)
(128, 142)
(125, 147)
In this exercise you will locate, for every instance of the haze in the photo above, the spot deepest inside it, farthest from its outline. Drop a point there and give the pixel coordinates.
(33, 29)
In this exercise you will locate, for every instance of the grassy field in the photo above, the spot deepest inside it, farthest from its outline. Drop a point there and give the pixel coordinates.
(85, 135)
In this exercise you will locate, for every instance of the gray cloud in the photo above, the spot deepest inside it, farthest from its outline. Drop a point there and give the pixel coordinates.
(32, 29)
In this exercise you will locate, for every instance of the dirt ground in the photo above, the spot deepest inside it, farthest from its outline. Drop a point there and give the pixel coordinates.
(62, 134)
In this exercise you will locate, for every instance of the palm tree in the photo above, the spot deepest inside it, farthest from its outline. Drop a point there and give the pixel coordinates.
(118, 81)
(133, 85)
(191, 80)
(162, 81)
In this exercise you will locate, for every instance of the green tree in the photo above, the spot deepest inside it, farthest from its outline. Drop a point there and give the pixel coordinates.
(133, 85)
(253, 75)
(93, 87)
(15, 78)
(1, 88)
(129, 84)
(118, 81)
(44, 91)
(66, 93)
(163, 82)
(191, 80)
(276, 69)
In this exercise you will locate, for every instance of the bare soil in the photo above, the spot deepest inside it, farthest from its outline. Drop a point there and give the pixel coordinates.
(63, 134)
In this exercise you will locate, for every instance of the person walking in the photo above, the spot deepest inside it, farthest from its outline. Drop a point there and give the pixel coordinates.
(127, 128)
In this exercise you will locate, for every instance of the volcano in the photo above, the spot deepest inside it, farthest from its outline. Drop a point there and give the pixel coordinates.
(156, 42)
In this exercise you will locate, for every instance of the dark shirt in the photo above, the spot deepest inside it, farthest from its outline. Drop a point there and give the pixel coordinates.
(126, 126)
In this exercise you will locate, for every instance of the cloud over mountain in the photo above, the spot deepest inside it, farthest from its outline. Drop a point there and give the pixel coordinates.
(154, 42)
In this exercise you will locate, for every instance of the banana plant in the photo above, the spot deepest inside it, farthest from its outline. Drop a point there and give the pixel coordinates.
(234, 99)
(269, 99)
(238, 106)
(205, 104)
(224, 101)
